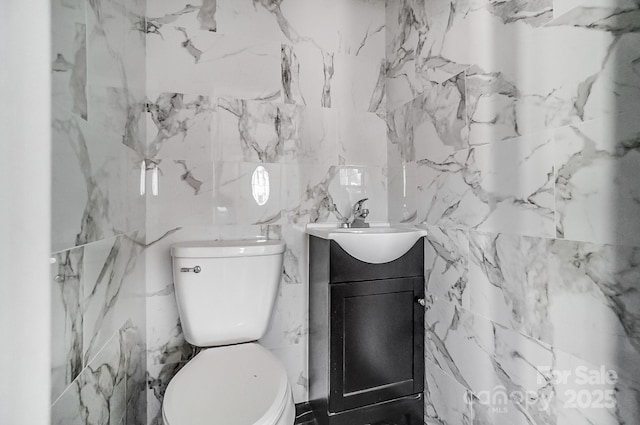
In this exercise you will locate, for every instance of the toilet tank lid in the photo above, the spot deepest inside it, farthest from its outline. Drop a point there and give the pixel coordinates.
(219, 249)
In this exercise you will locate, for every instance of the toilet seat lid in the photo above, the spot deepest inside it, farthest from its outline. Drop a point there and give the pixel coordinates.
(233, 385)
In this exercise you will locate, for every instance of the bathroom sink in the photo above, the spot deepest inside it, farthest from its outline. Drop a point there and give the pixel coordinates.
(376, 244)
(372, 230)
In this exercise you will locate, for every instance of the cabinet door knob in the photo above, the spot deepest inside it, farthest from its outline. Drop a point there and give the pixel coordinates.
(420, 301)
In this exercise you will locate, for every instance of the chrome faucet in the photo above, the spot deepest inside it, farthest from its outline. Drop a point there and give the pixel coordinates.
(359, 214)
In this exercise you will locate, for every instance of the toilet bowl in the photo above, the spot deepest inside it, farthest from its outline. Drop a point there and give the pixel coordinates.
(225, 293)
(241, 384)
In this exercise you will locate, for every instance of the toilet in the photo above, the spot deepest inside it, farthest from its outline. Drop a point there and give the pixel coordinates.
(226, 291)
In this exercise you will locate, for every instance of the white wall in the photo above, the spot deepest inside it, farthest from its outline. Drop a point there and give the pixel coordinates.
(24, 211)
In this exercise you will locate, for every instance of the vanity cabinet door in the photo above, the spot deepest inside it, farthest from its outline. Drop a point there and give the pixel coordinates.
(377, 342)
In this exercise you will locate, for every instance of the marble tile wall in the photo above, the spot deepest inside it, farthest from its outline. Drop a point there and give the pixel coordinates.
(512, 137)
(98, 212)
(98, 330)
(236, 91)
(510, 134)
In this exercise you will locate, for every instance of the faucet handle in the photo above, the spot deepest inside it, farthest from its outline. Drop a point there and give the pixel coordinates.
(359, 214)
(357, 207)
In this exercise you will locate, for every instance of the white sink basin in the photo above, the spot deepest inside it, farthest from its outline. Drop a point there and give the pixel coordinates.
(377, 244)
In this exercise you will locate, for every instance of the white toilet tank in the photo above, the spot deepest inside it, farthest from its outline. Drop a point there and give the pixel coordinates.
(226, 290)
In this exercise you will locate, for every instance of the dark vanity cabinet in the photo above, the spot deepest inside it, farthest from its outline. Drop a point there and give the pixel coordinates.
(366, 337)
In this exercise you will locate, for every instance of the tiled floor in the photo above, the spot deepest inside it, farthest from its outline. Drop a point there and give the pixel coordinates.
(304, 415)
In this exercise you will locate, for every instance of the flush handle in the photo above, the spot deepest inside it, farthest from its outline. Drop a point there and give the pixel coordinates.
(195, 269)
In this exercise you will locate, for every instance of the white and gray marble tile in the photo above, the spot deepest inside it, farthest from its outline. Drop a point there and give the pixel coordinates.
(432, 42)
(314, 77)
(597, 193)
(588, 393)
(115, 44)
(433, 122)
(519, 77)
(446, 401)
(613, 85)
(158, 377)
(466, 189)
(323, 194)
(116, 121)
(617, 16)
(508, 281)
(96, 190)
(575, 296)
(288, 326)
(179, 193)
(96, 288)
(133, 339)
(292, 86)
(165, 340)
(358, 84)
(359, 28)
(449, 20)
(307, 197)
(353, 27)
(180, 126)
(69, 60)
(307, 75)
(446, 264)
(187, 54)
(69, 194)
(403, 128)
(523, 381)
(251, 22)
(405, 27)
(294, 359)
(99, 394)
(247, 193)
(254, 131)
(491, 107)
(199, 15)
(67, 296)
(185, 59)
(577, 392)
(361, 139)
(484, 39)
(98, 101)
(561, 7)
(287, 335)
(401, 183)
(112, 286)
(488, 359)
(137, 411)
(445, 105)
(593, 303)
(319, 130)
(296, 256)
(546, 88)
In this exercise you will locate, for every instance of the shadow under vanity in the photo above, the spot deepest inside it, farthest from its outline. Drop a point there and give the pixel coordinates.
(366, 337)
